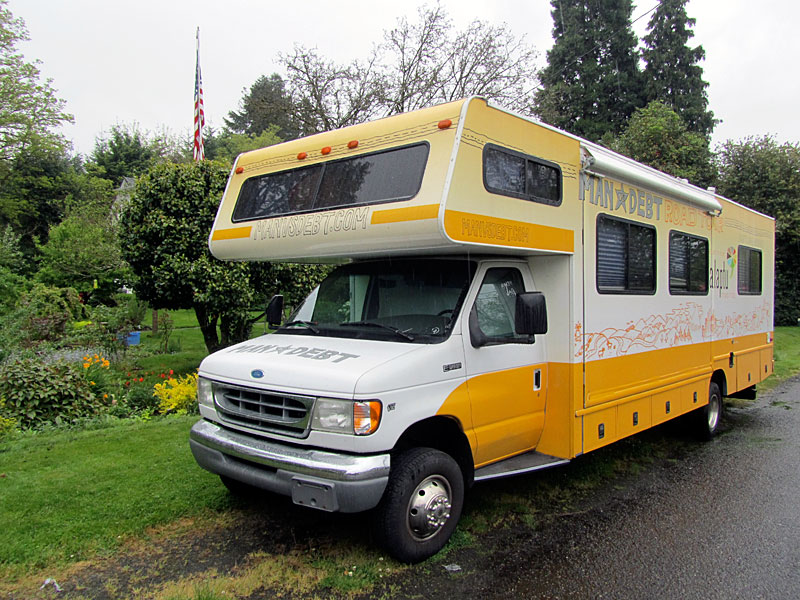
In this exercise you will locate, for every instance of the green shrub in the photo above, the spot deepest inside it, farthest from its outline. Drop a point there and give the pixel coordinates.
(37, 393)
(43, 312)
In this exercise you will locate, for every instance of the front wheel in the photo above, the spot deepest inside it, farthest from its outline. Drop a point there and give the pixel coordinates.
(421, 505)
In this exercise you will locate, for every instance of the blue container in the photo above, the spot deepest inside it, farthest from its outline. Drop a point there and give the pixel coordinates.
(133, 339)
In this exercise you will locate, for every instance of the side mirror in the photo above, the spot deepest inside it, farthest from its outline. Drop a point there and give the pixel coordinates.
(275, 311)
(531, 314)
(476, 337)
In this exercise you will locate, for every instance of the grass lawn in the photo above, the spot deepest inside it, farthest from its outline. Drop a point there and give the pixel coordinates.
(787, 356)
(67, 495)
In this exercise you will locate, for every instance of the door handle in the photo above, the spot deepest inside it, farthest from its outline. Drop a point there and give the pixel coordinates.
(537, 380)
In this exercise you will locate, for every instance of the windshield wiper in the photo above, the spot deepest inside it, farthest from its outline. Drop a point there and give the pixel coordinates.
(394, 330)
(307, 324)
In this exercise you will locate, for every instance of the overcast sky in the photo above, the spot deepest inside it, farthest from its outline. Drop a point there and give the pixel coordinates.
(120, 62)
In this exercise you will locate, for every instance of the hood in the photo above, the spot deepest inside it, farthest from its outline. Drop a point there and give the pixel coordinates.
(301, 364)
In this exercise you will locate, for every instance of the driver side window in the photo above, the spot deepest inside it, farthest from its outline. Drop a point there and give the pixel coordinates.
(495, 306)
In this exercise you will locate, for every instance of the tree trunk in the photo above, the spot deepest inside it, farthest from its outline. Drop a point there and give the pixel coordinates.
(208, 326)
(155, 321)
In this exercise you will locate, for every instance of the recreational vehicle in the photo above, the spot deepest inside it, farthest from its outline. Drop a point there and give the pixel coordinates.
(507, 297)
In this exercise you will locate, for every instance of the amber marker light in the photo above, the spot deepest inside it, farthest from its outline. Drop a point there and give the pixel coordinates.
(302, 156)
(445, 124)
(366, 416)
(352, 144)
(239, 170)
(326, 150)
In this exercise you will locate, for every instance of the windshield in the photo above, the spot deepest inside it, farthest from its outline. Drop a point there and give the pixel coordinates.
(399, 300)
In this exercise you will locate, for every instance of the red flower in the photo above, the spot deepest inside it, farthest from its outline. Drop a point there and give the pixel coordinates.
(141, 379)
(171, 372)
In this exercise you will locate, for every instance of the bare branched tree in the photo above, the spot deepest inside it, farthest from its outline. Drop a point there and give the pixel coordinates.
(418, 64)
(328, 96)
(487, 60)
(416, 57)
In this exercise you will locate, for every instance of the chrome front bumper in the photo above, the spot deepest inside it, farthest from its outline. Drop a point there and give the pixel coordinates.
(320, 479)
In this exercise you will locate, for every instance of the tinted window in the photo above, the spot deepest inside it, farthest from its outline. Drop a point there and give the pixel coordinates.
(518, 175)
(369, 179)
(749, 271)
(626, 257)
(688, 264)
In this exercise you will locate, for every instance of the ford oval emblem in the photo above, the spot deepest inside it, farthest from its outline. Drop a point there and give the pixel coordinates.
(257, 373)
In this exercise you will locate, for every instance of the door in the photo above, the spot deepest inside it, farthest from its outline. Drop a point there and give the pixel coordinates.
(506, 372)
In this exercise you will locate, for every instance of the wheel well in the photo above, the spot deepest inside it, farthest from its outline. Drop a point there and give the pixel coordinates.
(444, 434)
(718, 377)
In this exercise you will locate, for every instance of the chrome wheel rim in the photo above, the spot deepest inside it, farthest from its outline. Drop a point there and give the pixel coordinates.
(713, 412)
(429, 507)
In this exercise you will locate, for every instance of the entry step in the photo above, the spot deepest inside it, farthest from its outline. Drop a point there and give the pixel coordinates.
(521, 463)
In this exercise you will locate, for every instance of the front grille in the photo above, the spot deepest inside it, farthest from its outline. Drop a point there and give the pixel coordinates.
(265, 410)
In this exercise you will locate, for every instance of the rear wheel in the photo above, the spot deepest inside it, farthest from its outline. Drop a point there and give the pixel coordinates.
(421, 505)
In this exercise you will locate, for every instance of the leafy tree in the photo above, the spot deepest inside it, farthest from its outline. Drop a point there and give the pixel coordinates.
(658, 137)
(765, 175)
(125, 151)
(226, 146)
(38, 187)
(592, 83)
(34, 186)
(29, 108)
(11, 256)
(82, 253)
(163, 236)
(265, 107)
(417, 65)
(672, 74)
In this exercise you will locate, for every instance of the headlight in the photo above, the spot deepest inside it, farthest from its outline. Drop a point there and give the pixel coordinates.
(346, 416)
(205, 392)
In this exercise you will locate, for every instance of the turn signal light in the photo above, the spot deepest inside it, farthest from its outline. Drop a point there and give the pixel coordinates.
(239, 170)
(445, 124)
(366, 416)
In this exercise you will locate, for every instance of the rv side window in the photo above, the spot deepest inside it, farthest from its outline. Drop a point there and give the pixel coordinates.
(626, 257)
(385, 176)
(688, 264)
(749, 271)
(518, 175)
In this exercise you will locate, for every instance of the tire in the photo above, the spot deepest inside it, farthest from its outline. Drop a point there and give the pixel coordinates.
(707, 419)
(421, 505)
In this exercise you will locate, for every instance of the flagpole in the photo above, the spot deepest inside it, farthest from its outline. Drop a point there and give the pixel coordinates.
(199, 111)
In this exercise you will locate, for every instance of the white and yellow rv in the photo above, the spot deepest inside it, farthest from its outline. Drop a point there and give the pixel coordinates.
(511, 297)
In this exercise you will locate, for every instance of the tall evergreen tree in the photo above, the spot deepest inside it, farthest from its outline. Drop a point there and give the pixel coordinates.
(672, 74)
(265, 104)
(592, 82)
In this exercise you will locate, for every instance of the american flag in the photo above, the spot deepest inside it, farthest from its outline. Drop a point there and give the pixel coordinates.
(199, 113)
